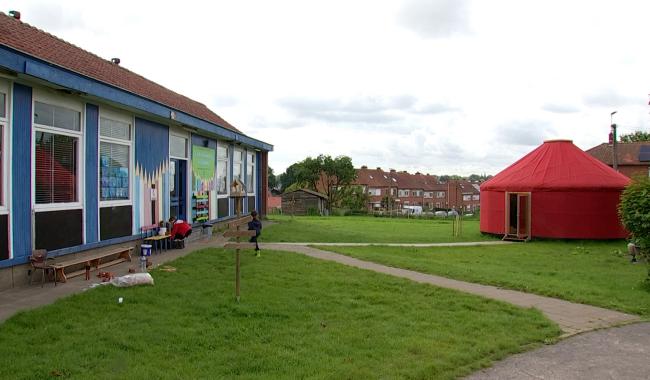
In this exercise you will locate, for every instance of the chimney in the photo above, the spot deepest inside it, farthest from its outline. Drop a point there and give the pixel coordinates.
(14, 14)
(115, 61)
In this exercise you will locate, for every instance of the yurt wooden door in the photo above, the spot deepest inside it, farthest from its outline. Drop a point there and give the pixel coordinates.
(517, 216)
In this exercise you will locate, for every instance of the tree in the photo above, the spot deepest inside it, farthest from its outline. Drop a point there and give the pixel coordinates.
(273, 180)
(336, 173)
(353, 198)
(637, 136)
(634, 211)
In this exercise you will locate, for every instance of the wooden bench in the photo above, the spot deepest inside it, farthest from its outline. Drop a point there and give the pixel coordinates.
(97, 260)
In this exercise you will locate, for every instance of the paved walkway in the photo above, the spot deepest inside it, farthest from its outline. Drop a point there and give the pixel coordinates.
(616, 353)
(571, 317)
(462, 244)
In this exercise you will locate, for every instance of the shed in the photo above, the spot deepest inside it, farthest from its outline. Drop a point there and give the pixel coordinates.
(303, 202)
(555, 191)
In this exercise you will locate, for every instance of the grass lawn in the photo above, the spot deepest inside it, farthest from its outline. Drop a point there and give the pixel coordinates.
(364, 229)
(588, 272)
(298, 318)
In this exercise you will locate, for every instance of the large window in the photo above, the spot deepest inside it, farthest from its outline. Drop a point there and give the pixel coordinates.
(250, 172)
(222, 169)
(56, 149)
(238, 164)
(56, 168)
(114, 159)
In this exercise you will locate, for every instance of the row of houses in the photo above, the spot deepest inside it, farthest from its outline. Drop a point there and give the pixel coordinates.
(394, 189)
(90, 152)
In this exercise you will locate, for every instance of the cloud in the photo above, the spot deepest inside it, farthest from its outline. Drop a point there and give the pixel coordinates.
(560, 108)
(365, 110)
(54, 17)
(435, 109)
(612, 99)
(524, 132)
(435, 18)
(224, 101)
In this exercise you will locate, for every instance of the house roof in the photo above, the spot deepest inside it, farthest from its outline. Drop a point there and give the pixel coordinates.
(312, 192)
(557, 165)
(627, 153)
(373, 178)
(32, 41)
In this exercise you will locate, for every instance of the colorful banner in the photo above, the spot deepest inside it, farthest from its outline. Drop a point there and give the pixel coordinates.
(203, 162)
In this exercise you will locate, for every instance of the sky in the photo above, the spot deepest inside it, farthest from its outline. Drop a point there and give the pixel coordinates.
(438, 86)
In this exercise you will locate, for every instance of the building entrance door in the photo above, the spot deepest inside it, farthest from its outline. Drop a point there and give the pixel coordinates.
(178, 189)
(517, 216)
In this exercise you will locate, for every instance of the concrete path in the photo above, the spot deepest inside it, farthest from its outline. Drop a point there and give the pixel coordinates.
(571, 317)
(616, 353)
(462, 244)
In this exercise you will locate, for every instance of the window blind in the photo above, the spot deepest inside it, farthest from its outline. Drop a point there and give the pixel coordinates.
(115, 129)
(56, 168)
(114, 171)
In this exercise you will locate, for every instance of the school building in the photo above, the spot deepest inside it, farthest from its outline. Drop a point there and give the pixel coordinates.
(91, 152)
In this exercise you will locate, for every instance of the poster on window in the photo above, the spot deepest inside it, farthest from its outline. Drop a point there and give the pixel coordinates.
(203, 162)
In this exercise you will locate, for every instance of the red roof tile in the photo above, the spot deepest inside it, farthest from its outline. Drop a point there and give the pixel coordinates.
(37, 43)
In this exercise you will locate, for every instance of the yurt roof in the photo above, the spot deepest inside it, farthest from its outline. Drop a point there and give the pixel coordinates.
(557, 165)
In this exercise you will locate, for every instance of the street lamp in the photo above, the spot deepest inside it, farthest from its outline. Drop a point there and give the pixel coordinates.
(614, 152)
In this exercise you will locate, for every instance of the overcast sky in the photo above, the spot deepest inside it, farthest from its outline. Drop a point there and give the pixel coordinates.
(438, 86)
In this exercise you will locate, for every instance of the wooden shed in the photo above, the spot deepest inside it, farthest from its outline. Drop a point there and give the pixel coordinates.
(303, 202)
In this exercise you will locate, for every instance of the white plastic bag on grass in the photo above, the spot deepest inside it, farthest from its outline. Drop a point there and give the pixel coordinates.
(132, 279)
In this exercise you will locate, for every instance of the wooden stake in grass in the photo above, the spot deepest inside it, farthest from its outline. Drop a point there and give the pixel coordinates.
(237, 193)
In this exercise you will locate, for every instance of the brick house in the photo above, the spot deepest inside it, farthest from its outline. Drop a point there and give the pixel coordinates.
(463, 195)
(633, 158)
(416, 190)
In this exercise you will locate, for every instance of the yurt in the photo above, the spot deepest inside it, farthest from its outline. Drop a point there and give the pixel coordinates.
(555, 191)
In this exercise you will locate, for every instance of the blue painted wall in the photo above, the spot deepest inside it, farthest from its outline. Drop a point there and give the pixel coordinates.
(21, 166)
(92, 180)
(151, 145)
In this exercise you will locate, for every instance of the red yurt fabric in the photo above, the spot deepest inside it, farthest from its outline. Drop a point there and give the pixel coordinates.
(572, 194)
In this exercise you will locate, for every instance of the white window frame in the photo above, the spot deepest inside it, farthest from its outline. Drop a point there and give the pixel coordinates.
(44, 96)
(5, 122)
(187, 140)
(226, 147)
(440, 194)
(254, 155)
(121, 117)
(242, 169)
(428, 194)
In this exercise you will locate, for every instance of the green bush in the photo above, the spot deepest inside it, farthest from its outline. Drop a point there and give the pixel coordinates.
(313, 211)
(634, 211)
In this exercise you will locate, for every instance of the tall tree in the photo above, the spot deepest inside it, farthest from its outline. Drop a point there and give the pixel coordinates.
(636, 136)
(273, 180)
(335, 173)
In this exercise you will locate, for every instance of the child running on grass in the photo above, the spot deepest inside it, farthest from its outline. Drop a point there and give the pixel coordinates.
(256, 225)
